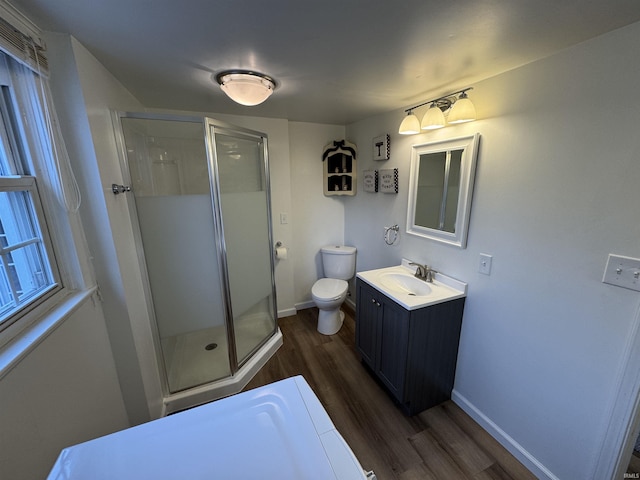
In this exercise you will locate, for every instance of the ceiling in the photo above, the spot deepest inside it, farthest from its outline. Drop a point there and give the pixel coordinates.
(335, 61)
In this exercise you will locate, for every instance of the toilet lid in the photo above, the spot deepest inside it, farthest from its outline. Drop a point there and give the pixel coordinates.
(329, 288)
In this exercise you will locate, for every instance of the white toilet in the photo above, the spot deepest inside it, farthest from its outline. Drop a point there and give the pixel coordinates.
(339, 263)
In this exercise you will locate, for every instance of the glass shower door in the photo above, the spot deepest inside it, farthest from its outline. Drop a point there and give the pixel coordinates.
(202, 211)
(169, 170)
(242, 184)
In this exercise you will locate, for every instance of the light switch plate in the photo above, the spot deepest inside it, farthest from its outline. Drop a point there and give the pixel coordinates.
(485, 264)
(622, 272)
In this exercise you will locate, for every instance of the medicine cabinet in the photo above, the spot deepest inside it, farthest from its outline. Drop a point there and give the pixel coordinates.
(441, 188)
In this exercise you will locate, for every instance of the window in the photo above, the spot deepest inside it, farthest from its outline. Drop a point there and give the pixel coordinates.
(28, 273)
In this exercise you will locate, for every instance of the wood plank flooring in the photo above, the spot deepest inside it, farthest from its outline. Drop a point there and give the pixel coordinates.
(634, 465)
(440, 443)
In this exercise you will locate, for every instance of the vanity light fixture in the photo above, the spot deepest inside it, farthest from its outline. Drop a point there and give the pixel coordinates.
(433, 119)
(459, 109)
(245, 86)
(463, 110)
(410, 125)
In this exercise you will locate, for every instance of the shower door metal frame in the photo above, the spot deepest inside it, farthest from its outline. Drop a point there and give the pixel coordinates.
(209, 142)
(214, 177)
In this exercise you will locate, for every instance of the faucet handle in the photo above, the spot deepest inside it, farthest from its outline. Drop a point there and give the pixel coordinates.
(429, 273)
(421, 270)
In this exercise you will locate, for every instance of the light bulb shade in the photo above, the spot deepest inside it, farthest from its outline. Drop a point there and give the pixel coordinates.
(462, 111)
(245, 87)
(410, 125)
(433, 119)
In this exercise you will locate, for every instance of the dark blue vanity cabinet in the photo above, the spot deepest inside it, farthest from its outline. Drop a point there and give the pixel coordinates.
(412, 352)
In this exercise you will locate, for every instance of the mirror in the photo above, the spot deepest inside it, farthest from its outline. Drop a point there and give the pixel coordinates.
(441, 188)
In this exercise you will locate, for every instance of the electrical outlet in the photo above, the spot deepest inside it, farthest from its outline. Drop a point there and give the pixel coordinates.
(485, 264)
(622, 272)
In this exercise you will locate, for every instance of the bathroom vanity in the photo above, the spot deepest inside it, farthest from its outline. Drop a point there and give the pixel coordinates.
(407, 332)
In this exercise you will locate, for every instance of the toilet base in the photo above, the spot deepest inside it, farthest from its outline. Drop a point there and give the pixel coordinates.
(330, 321)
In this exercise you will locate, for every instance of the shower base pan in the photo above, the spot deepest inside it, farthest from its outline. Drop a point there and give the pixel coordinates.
(279, 431)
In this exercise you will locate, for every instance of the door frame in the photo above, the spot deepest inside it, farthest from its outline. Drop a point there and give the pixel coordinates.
(623, 413)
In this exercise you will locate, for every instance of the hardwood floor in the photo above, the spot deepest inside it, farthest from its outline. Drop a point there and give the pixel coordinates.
(440, 443)
(634, 465)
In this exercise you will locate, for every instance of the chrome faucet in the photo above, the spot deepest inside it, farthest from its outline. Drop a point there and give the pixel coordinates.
(424, 272)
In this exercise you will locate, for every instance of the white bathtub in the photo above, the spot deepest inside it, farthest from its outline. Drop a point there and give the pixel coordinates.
(279, 431)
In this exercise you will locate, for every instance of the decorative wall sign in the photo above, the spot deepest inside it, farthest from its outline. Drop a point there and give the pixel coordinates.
(388, 180)
(370, 180)
(381, 149)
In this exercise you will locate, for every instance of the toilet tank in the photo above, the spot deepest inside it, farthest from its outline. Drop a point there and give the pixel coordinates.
(339, 261)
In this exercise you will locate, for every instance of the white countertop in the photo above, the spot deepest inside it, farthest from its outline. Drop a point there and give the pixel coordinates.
(443, 288)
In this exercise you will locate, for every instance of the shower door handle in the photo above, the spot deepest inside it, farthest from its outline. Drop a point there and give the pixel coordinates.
(117, 189)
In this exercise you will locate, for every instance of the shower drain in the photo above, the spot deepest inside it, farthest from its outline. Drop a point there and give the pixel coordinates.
(211, 346)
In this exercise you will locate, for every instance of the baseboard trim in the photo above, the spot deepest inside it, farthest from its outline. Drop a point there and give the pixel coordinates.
(514, 448)
(349, 303)
(287, 312)
(304, 305)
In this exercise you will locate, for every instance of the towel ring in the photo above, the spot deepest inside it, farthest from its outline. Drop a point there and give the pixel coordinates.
(391, 234)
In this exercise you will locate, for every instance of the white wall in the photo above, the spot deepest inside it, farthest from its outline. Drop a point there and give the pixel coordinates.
(558, 170)
(317, 220)
(63, 392)
(85, 92)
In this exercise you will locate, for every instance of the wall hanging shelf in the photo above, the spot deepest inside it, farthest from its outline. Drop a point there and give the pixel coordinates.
(339, 166)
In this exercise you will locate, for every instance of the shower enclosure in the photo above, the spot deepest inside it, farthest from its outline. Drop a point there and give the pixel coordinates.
(202, 217)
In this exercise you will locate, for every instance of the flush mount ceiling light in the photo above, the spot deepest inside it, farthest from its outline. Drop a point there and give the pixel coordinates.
(246, 87)
(459, 110)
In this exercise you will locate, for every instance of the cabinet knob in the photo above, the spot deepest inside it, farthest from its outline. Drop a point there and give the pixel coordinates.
(373, 300)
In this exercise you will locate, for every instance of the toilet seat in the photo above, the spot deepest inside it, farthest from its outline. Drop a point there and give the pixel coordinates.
(329, 289)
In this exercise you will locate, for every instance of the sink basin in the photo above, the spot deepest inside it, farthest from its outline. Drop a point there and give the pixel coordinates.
(403, 283)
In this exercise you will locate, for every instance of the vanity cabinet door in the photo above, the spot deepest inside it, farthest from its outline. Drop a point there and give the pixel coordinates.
(368, 314)
(393, 339)
(382, 337)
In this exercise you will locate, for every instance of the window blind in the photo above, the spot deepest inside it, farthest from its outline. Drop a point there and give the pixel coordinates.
(20, 38)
